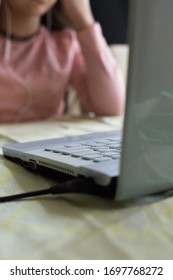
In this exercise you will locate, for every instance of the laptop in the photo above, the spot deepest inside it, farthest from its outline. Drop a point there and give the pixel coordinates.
(137, 161)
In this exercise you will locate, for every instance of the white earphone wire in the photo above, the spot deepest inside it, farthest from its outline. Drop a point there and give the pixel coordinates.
(8, 32)
(16, 77)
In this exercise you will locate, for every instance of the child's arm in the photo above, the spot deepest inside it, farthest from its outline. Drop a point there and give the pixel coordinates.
(96, 75)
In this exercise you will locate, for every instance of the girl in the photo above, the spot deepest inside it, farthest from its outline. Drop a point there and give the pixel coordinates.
(37, 66)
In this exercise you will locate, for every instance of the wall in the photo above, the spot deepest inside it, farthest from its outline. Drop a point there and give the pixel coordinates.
(113, 16)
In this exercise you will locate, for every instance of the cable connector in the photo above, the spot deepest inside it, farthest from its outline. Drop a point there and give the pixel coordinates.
(79, 185)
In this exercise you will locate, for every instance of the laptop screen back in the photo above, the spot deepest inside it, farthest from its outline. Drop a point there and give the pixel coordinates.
(147, 158)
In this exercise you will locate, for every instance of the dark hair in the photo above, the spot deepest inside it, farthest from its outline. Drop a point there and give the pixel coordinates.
(59, 20)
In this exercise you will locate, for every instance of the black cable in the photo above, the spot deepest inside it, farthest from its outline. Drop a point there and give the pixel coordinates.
(77, 185)
(23, 195)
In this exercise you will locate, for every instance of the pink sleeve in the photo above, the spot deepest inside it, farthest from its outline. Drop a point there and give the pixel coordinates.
(96, 75)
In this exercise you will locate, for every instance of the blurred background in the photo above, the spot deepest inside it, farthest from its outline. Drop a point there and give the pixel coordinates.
(113, 16)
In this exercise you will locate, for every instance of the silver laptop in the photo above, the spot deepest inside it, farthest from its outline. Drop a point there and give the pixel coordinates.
(141, 157)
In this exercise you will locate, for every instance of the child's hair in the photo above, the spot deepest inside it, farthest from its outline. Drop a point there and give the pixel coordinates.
(56, 18)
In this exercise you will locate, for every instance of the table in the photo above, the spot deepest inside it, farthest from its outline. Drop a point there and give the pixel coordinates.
(74, 226)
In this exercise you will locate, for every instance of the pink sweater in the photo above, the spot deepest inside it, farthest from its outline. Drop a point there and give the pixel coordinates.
(35, 78)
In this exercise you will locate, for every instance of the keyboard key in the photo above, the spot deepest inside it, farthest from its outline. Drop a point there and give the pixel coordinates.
(91, 156)
(102, 159)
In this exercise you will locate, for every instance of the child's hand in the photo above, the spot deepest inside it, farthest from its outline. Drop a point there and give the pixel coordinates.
(79, 13)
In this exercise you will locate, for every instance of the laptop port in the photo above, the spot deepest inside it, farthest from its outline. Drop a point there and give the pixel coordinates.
(32, 164)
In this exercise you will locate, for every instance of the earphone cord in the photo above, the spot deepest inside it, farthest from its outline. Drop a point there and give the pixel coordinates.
(8, 48)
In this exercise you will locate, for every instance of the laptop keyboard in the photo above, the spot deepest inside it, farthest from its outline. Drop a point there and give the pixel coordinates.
(96, 151)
